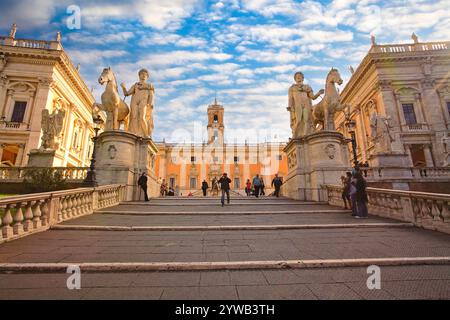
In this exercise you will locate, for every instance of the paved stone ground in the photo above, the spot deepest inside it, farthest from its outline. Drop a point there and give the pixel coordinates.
(77, 246)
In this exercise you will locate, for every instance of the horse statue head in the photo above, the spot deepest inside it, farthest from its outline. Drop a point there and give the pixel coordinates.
(334, 77)
(106, 76)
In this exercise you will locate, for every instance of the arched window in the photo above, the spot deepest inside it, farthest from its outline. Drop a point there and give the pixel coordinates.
(216, 118)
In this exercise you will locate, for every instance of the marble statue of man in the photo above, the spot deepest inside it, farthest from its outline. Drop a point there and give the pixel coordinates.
(381, 132)
(300, 106)
(51, 125)
(141, 119)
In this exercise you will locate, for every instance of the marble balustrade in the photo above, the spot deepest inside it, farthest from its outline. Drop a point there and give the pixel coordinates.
(27, 214)
(426, 210)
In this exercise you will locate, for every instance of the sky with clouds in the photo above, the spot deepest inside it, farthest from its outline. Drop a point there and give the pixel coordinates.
(243, 51)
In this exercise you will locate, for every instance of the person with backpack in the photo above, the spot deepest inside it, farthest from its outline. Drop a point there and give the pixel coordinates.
(257, 185)
(277, 182)
(142, 182)
(224, 182)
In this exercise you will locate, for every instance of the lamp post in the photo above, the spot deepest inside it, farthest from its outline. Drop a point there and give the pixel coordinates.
(351, 126)
(90, 179)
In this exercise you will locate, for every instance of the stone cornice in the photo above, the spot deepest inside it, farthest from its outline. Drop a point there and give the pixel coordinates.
(57, 58)
(374, 59)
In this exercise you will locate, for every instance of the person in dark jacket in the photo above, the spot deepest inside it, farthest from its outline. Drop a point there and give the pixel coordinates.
(346, 180)
(224, 182)
(277, 182)
(262, 187)
(142, 182)
(361, 195)
(204, 187)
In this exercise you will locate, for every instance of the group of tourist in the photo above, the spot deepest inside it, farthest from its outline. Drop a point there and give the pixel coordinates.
(257, 186)
(354, 193)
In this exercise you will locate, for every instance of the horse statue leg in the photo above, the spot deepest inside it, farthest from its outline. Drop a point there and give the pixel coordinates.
(115, 114)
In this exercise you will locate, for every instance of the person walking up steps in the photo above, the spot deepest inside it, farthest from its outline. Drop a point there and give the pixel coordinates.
(248, 187)
(262, 187)
(224, 182)
(257, 185)
(142, 182)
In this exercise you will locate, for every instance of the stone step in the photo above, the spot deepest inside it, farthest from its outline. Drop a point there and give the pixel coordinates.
(231, 228)
(222, 265)
(215, 213)
(217, 202)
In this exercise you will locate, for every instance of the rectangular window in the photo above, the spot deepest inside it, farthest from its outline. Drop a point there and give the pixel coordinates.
(237, 184)
(19, 111)
(216, 159)
(236, 159)
(408, 111)
(193, 159)
(193, 183)
(280, 157)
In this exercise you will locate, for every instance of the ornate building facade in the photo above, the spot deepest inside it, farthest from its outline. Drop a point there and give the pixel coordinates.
(404, 88)
(37, 75)
(187, 165)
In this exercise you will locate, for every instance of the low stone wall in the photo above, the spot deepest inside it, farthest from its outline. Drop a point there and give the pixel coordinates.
(423, 209)
(27, 214)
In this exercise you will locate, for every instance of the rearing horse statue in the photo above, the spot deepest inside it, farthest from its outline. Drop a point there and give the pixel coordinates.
(323, 112)
(116, 109)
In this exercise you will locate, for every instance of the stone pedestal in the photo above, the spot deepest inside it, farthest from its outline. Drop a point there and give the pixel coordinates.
(41, 158)
(121, 157)
(314, 160)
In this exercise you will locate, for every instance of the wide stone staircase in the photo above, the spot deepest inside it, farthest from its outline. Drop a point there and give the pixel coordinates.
(192, 248)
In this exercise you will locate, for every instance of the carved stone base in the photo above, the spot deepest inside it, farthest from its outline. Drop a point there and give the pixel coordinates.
(314, 160)
(41, 158)
(121, 157)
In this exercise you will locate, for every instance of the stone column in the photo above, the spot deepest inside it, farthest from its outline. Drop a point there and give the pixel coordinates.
(20, 155)
(388, 100)
(408, 152)
(3, 82)
(428, 156)
(2, 146)
(431, 101)
(6, 110)
(40, 103)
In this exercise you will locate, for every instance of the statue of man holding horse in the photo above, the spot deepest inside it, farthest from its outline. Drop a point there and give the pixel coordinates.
(141, 119)
(300, 106)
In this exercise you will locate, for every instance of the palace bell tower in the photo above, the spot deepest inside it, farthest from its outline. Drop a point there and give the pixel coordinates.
(215, 123)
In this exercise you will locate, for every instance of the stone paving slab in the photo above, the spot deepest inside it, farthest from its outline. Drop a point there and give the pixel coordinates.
(171, 246)
(413, 282)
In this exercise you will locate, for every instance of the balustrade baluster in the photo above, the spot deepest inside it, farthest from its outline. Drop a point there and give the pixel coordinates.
(37, 223)
(79, 208)
(45, 212)
(7, 220)
(28, 224)
(69, 210)
(436, 210)
(18, 219)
